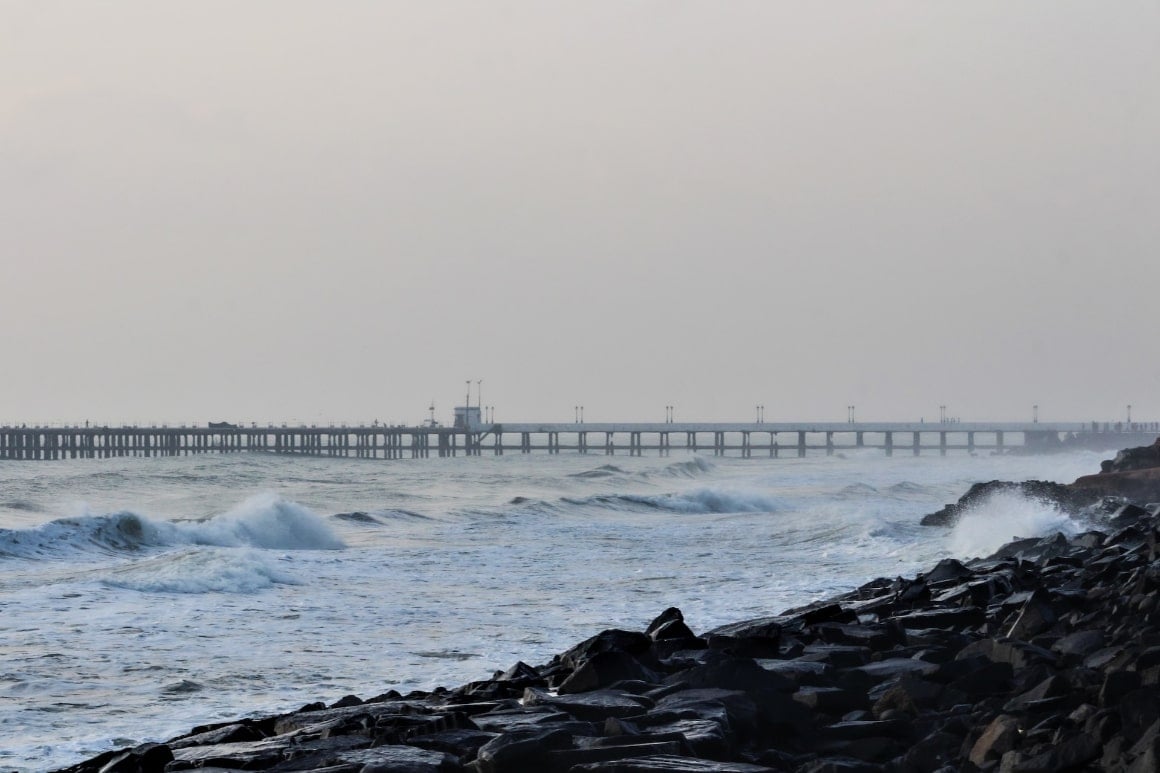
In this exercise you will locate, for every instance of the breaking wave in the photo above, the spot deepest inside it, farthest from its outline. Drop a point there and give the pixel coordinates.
(692, 468)
(264, 521)
(380, 517)
(603, 471)
(1003, 517)
(703, 500)
(199, 571)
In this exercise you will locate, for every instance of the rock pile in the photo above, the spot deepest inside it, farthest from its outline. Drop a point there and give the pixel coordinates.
(1134, 474)
(1042, 657)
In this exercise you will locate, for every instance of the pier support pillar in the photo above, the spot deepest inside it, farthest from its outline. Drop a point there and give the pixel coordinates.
(890, 444)
(829, 444)
(917, 443)
(942, 443)
(801, 444)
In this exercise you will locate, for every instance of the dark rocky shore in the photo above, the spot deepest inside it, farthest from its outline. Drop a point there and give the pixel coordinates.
(1042, 657)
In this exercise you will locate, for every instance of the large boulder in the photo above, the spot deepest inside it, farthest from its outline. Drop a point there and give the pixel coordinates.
(1139, 458)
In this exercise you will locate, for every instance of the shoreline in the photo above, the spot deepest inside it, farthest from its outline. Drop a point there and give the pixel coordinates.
(1044, 656)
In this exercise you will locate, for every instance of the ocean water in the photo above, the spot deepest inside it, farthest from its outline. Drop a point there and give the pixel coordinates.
(141, 597)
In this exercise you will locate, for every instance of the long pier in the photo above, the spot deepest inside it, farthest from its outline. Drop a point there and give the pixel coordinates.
(797, 439)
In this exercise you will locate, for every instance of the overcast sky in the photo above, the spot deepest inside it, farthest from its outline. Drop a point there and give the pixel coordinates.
(278, 210)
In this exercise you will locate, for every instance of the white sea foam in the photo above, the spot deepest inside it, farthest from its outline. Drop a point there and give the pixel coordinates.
(1002, 517)
(707, 499)
(717, 499)
(264, 521)
(199, 571)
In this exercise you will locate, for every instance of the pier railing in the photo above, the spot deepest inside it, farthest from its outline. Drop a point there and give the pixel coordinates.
(635, 439)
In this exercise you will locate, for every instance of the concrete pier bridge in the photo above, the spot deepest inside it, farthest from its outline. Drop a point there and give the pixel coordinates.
(750, 439)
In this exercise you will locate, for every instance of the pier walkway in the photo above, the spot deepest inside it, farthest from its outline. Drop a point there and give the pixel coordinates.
(635, 439)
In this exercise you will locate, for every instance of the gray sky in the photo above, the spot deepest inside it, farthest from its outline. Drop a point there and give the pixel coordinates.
(315, 211)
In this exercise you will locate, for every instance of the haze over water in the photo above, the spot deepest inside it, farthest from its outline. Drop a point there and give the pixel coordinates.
(141, 597)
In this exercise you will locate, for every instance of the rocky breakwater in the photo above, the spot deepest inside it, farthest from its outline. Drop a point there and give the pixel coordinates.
(1042, 657)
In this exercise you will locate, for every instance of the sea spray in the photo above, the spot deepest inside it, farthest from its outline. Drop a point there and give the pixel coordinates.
(1003, 517)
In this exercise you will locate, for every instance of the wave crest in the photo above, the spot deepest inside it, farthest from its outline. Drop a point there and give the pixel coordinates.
(264, 521)
(702, 500)
(199, 571)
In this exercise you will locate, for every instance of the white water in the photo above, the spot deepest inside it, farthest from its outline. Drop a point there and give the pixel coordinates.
(141, 597)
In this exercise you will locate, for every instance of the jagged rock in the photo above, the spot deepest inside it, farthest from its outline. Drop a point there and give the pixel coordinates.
(831, 700)
(731, 673)
(930, 754)
(510, 720)
(614, 640)
(1139, 458)
(895, 668)
(947, 570)
(1138, 485)
(759, 638)
(670, 764)
(605, 669)
(1079, 644)
(1116, 685)
(909, 696)
(521, 750)
(836, 655)
(146, 758)
(670, 625)
(952, 619)
(799, 672)
(840, 765)
(253, 755)
(704, 738)
(462, 743)
(595, 706)
(399, 759)
(733, 710)
(1000, 737)
(1071, 754)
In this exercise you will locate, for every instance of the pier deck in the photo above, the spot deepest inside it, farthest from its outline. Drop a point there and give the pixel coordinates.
(746, 439)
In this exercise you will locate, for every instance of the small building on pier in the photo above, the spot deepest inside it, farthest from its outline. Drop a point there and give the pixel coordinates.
(468, 417)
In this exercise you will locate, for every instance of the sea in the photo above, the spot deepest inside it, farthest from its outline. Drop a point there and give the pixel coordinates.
(140, 597)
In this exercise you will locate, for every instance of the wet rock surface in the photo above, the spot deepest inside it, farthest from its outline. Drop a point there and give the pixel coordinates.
(1042, 657)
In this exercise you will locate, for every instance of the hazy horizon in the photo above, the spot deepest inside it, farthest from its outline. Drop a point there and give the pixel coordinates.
(306, 212)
